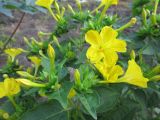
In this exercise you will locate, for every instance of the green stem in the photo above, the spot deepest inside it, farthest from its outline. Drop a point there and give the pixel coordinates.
(154, 14)
(103, 12)
(11, 99)
(156, 7)
(102, 82)
(51, 12)
(129, 24)
(36, 71)
(97, 8)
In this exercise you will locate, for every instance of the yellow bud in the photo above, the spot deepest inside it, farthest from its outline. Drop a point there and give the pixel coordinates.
(56, 41)
(133, 21)
(5, 76)
(57, 7)
(133, 55)
(155, 78)
(78, 4)
(71, 94)
(29, 83)
(144, 13)
(71, 9)
(35, 60)
(6, 116)
(77, 77)
(25, 74)
(63, 11)
(51, 52)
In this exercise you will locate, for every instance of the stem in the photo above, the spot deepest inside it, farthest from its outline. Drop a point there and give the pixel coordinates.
(154, 14)
(103, 12)
(36, 71)
(13, 33)
(51, 12)
(11, 99)
(102, 82)
(156, 7)
(129, 24)
(97, 8)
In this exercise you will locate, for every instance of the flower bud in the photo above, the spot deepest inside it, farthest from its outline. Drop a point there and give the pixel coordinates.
(63, 11)
(133, 55)
(71, 94)
(133, 21)
(71, 9)
(77, 77)
(57, 7)
(51, 52)
(56, 41)
(29, 83)
(5, 76)
(25, 74)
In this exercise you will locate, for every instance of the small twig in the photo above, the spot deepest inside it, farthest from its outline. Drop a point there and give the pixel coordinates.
(13, 33)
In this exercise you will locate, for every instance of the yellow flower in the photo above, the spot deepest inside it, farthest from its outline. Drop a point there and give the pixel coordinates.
(111, 2)
(13, 52)
(35, 60)
(110, 74)
(44, 3)
(9, 87)
(103, 45)
(134, 75)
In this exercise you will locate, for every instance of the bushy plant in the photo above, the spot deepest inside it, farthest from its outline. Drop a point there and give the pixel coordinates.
(80, 71)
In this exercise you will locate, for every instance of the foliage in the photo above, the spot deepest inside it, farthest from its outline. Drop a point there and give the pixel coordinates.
(83, 70)
(7, 6)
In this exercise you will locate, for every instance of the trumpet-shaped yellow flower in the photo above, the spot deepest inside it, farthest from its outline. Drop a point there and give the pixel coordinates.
(35, 60)
(13, 52)
(9, 87)
(134, 75)
(44, 3)
(104, 45)
(111, 2)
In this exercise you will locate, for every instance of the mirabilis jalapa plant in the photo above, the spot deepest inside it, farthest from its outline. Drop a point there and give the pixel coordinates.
(70, 81)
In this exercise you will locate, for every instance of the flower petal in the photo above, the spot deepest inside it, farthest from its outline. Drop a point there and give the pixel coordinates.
(93, 38)
(110, 58)
(44, 3)
(2, 91)
(134, 75)
(112, 2)
(108, 34)
(94, 55)
(11, 86)
(117, 45)
(114, 73)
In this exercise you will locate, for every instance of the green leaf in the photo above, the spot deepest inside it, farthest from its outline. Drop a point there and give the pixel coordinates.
(5, 11)
(61, 94)
(108, 98)
(47, 111)
(89, 102)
